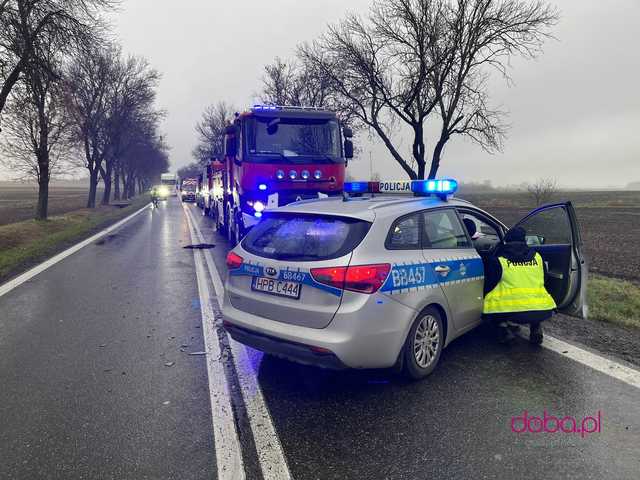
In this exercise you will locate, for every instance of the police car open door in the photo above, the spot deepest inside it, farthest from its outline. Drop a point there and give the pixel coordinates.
(553, 231)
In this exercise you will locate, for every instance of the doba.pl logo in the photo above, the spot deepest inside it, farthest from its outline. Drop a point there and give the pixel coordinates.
(550, 424)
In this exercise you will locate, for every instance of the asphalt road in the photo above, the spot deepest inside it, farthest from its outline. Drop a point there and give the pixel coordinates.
(96, 382)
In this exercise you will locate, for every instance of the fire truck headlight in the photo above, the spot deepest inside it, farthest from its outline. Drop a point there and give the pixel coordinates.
(293, 174)
(258, 206)
(279, 174)
(317, 174)
(305, 174)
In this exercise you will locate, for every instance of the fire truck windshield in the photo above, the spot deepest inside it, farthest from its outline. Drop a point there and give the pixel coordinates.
(294, 140)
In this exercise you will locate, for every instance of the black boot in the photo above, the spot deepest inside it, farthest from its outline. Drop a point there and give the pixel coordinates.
(535, 333)
(505, 335)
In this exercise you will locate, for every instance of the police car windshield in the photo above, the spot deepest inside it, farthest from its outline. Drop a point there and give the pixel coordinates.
(293, 140)
(305, 237)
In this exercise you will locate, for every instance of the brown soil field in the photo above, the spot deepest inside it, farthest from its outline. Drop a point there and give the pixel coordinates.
(18, 201)
(609, 222)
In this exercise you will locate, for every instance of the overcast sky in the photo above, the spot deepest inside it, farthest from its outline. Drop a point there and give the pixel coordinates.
(574, 112)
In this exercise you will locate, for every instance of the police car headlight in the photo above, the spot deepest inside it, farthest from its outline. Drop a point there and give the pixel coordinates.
(258, 206)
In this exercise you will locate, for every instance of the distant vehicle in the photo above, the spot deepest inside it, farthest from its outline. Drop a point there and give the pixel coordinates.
(172, 182)
(205, 197)
(274, 156)
(188, 189)
(382, 281)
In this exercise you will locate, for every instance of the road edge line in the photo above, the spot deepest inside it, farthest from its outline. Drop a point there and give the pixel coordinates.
(229, 462)
(273, 462)
(601, 364)
(29, 274)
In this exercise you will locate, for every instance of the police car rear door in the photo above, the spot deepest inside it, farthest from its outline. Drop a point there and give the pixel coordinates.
(455, 264)
(553, 231)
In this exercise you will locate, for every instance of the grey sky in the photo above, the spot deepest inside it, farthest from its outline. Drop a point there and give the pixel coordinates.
(574, 112)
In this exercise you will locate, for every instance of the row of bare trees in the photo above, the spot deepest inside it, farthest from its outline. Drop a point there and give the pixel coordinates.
(67, 93)
(417, 66)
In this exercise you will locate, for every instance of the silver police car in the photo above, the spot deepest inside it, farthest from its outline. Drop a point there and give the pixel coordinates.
(379, 280)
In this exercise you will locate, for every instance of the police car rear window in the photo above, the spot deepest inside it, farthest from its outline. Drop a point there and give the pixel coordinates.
(305, 237)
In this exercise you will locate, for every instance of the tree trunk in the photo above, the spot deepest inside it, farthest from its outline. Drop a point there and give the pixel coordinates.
(435, 161)
(418, 149)
(93, 188)
(116, 183)
(42, 211)
(124, 185)
(106, 177)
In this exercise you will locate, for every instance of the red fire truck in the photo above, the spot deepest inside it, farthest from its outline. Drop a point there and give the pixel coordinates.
(274, 156)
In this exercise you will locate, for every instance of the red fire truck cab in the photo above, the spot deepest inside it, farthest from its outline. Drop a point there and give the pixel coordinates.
(274, 156)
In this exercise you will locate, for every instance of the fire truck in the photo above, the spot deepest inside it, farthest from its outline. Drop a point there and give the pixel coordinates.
(275, 155)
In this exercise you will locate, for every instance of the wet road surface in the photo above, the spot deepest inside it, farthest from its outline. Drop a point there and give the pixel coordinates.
(84, 349)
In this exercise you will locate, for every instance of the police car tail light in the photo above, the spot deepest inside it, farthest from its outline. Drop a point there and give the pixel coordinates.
(355, 278)
(234, 261)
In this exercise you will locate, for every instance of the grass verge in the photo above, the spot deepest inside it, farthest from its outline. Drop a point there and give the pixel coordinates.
(614, 301)
(25, 244)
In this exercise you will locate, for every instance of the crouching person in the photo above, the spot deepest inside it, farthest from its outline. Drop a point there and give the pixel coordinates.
(514, 288)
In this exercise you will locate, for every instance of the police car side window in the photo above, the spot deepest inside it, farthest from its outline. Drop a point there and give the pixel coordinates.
(405, 233)
(442, 229)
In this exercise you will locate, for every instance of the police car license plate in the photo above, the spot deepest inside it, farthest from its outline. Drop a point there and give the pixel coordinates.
(281, 288)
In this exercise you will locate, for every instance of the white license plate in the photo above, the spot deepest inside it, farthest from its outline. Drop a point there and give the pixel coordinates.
(276, 287)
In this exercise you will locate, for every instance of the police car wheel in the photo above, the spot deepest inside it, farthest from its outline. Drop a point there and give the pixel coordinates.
(424, 344)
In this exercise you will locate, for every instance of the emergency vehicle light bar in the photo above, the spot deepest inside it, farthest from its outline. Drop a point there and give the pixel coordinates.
(441, 187)
(267, 108)
(444, 186)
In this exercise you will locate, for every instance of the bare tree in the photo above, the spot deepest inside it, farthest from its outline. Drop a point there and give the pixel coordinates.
(87, 84)
(210, 130)
(542, 190)
(70, 24)
(192, 170)
(295, 83)
(425, 63)
(38, 130)
(130, 103)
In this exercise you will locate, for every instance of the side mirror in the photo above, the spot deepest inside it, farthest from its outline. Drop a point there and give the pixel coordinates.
(348, 149)
(347, 132)
(230, 146)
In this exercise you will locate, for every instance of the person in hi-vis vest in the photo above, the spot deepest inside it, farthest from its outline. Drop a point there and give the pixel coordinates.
(514, 288)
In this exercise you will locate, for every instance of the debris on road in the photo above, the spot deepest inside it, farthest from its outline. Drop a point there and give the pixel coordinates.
(169, 364)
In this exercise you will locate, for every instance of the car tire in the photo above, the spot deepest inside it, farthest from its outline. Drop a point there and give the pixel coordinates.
(424, 344)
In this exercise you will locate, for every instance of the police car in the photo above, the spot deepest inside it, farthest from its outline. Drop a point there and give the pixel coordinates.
(376, 280)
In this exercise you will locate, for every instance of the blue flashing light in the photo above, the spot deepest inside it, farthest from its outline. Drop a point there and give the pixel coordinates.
(356, 187)
(443, 186)
(262, 186)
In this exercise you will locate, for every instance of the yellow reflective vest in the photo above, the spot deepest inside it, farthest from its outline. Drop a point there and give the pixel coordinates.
(521, 288)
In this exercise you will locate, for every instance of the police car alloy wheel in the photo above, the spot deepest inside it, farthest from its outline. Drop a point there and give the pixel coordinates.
(424, 344)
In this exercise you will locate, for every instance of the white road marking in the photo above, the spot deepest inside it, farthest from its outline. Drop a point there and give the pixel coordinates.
(28, 275)
(616, 370)
(228, 451)
(270, 453)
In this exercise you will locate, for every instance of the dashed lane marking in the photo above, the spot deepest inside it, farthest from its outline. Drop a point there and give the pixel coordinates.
(229, 461)
(270, 453)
